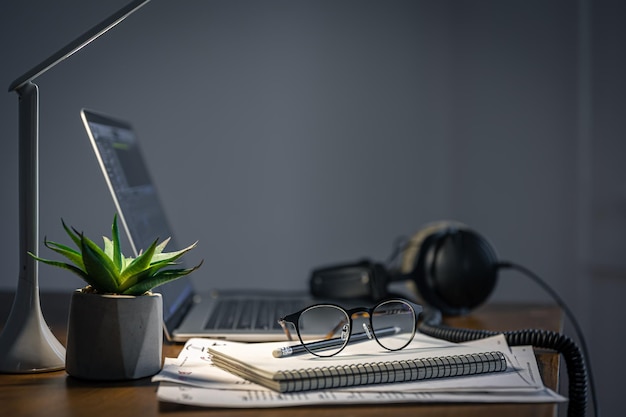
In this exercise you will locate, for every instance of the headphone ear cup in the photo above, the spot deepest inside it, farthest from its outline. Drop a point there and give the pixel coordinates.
(455, 269)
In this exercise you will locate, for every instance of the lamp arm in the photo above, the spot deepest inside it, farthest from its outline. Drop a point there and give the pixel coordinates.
(77, 44)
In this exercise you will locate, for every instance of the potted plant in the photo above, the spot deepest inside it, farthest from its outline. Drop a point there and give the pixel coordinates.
(115, 322)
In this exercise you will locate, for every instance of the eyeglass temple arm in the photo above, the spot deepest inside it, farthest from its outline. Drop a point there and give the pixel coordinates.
(283, 324)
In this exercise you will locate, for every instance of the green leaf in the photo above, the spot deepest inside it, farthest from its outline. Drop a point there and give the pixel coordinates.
(71, 254)
(172, 256)
(72, 234)
(126, 261)
(117, 253)
(140, 276)
(99, 267)
(133, 280)
(139, 264)
(63, 265)
(160, 278)
(161, 246)
(108, 246)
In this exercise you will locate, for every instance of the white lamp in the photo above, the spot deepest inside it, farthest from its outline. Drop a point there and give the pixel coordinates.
(26, 343)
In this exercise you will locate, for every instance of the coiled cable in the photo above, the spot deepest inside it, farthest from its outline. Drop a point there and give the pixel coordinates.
(545, 339)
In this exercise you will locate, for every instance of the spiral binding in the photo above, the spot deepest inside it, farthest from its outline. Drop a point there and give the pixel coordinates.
(391, 371)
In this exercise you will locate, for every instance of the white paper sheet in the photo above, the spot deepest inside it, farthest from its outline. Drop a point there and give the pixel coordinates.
(264, 398)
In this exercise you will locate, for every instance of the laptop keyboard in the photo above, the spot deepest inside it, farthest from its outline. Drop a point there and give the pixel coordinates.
(251, 314)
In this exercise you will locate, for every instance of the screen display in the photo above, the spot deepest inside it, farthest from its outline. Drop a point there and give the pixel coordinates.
(132, 164)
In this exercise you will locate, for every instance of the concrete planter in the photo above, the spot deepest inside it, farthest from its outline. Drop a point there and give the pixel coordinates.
(114, 337)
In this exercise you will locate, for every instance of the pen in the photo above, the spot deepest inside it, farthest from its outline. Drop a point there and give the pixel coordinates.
(331, 343)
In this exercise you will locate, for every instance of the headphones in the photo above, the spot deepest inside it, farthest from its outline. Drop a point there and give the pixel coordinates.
(453, 267)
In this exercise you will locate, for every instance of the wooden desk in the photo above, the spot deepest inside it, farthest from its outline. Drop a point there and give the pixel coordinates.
(56, 394)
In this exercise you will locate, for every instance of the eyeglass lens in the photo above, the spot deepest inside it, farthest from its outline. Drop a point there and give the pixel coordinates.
(396, 315)
(392, 324)
(324, 323)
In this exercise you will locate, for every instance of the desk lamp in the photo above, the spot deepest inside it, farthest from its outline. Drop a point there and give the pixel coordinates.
(26, 343)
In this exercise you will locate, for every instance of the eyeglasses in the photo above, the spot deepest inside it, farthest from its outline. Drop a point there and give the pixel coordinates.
(325, 329)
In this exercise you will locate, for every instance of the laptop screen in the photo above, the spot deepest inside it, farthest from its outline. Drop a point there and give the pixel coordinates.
(136, 199)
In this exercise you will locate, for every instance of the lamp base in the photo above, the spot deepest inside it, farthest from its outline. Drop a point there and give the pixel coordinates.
(26, 344)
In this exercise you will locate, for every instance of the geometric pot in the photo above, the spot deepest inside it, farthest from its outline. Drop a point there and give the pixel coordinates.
(114, 337)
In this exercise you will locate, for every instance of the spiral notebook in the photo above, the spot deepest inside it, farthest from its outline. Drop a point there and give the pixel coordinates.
(359, 364)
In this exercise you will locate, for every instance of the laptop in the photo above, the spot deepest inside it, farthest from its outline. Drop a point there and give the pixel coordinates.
(227, 314)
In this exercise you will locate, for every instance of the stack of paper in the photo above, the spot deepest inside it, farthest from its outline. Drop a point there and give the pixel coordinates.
(193, 379)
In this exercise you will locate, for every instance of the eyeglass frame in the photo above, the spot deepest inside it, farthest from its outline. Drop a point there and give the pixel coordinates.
(294, 319)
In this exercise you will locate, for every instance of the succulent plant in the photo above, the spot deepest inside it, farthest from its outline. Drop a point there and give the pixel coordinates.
(108, 271)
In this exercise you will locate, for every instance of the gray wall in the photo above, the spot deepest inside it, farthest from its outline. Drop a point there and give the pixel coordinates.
(289, 134)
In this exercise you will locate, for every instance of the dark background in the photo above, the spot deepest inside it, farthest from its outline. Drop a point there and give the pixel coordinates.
(285, 135)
